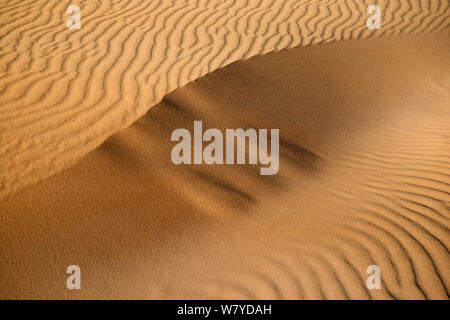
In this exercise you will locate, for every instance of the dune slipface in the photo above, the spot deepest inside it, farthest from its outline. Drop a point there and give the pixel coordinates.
(364, 179)
(86, 124)
(64, 91)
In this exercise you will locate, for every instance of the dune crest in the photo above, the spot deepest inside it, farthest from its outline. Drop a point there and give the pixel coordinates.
(364, 179)
(63, 92)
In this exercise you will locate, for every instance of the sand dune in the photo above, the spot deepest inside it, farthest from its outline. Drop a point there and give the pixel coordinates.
(63, 92)
(364, 179)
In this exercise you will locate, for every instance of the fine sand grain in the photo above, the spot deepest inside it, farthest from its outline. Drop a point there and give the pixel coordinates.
(364, 173)
(63, 92)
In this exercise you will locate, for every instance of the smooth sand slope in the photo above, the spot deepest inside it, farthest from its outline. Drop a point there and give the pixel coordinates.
(364, 179)
(63, 92)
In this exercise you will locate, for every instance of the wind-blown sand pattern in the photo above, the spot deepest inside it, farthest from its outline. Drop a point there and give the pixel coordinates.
(364, 179)
(63, 92)
(364, 119)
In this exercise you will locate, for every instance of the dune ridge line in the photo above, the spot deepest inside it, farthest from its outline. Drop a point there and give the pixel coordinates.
(63, 92)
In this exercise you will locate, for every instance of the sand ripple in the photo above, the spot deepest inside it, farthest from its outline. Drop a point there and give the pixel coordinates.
(63, 92)
(364, 180)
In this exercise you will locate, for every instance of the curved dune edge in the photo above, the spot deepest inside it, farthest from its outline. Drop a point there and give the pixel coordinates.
(364, 180)
(63, 92)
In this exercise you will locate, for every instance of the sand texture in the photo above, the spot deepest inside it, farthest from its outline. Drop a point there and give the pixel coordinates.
(364, 180)
(63, 92)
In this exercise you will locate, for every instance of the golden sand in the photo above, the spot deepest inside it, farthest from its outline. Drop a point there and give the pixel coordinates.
(363, 180)
(63, 92)
(364, 174)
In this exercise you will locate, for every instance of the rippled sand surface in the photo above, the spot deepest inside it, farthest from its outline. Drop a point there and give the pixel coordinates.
(364, 180)
(63, 92)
